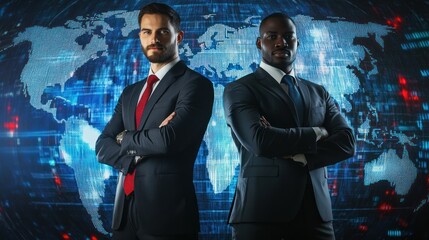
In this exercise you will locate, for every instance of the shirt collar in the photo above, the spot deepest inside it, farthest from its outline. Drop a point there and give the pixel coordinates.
(164, 70)
(276, 73)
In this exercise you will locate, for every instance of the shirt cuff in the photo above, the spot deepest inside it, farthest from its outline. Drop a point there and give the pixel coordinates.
(318, 133)
(300, 158)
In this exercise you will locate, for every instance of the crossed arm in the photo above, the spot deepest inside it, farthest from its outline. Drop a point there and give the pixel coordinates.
(179, 131)
(165, 122)
(321, 133)
(323, 145)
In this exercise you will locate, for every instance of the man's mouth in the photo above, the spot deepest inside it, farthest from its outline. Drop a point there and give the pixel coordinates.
(154, 48)
(281, 53)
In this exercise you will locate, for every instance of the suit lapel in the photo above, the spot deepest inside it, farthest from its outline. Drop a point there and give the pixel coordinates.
(132, 106)
(303, 88)
(273, 86)
(162, 87)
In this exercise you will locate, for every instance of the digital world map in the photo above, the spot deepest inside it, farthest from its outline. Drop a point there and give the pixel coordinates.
(63, 67)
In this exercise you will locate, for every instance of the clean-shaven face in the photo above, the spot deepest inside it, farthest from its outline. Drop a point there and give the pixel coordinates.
(278, 42)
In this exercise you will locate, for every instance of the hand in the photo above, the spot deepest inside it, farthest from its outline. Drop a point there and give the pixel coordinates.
(321, 133)
(264, 122)
(167, 120)
(120, 137)
(298, 158)
(324, 133)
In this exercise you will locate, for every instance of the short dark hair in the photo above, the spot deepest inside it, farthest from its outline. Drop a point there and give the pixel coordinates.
(160, 8)
(276, 15)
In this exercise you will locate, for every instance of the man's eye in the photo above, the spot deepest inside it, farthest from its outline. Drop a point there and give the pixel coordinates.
(291, 37)
(272, 36)
(145, 32)
(164, 31)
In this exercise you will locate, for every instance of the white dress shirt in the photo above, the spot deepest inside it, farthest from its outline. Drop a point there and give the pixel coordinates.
(159, 74)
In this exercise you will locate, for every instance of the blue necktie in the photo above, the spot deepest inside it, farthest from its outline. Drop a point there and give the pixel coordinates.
(295, 96)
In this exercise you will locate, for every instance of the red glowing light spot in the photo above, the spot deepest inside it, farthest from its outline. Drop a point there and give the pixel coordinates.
(57, 180)
(65, 236)
(94, 237)
(402, 81)
(334, 189)
(391, 192)
(363, 228)
(395, 22)
(12, 125)
(405, 94)
(385, 207)
(402, 223)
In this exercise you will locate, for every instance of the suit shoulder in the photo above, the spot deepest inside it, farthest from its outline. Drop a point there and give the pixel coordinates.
(312, 84)
(245, 80)
(130, 87)
(192, 76)
(195, 74)
(308, 82)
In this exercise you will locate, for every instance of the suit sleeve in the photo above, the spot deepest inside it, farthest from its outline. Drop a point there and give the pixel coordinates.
(193, 111)
(242, 115)
(107, 150)
(339, 145)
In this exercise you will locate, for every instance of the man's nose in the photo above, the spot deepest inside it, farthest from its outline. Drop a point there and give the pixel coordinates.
(154, 38)
(281, 42)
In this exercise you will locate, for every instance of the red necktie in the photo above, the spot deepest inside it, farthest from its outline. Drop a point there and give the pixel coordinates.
(129, 178)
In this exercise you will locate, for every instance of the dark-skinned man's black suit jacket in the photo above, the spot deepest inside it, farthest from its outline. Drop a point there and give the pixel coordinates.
(164, 191)
(270, 189)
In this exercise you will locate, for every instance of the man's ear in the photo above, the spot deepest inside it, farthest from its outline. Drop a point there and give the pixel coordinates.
(180, 35)
(258, 43)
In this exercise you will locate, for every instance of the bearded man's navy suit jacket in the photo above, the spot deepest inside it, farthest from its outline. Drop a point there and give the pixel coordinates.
(164, 192)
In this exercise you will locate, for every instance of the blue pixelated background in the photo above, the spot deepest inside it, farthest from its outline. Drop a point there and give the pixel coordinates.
(63, 65)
